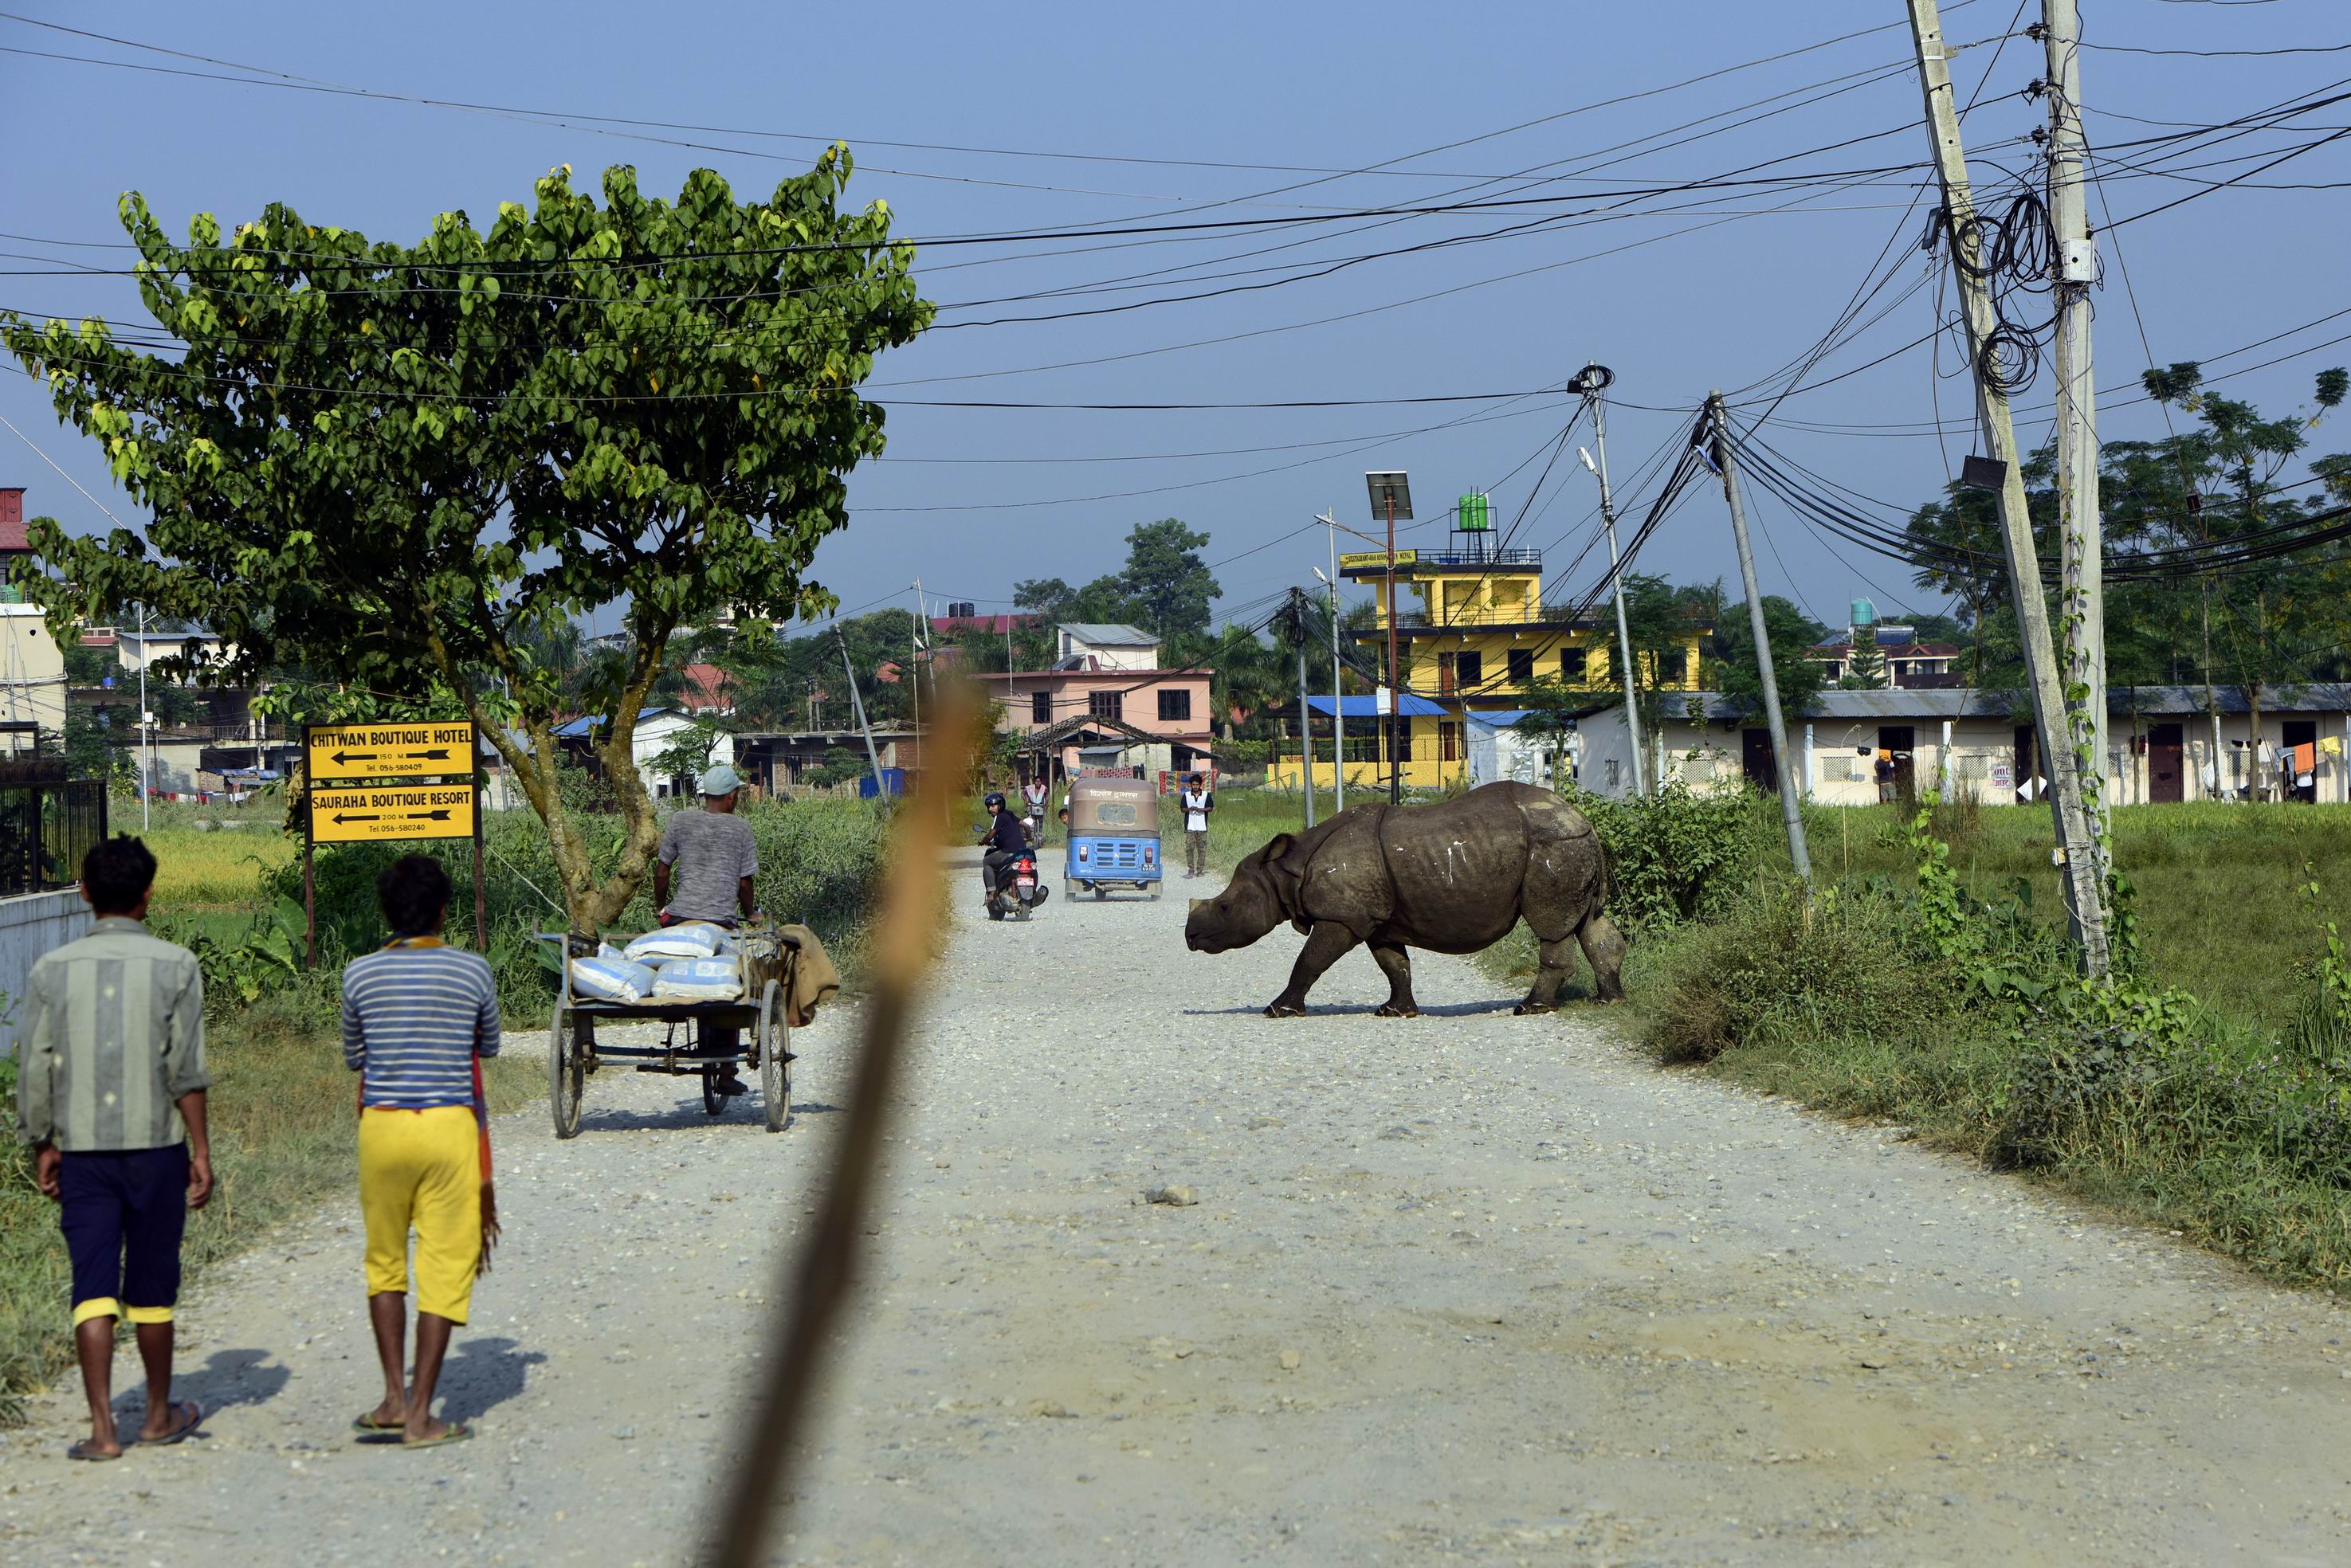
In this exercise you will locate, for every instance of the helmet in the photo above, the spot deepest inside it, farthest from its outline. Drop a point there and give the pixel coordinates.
(993, 798)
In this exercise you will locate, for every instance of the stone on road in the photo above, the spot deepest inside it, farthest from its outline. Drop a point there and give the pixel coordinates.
(1471, 1287)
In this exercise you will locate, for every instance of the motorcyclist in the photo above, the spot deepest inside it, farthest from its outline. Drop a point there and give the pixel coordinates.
(1005, 839)
(1033, 798)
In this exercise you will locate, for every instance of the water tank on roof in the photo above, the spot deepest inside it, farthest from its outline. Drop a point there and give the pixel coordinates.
(1864, 613)
(962, 608)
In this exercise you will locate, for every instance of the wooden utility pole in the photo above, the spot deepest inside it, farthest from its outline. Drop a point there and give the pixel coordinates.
(2078, 522)
(1791, 810)
(2084, 888)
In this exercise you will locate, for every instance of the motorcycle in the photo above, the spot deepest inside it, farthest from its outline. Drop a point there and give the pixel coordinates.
(1021, 890)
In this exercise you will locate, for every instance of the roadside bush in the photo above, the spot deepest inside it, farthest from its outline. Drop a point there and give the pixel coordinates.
(1676, 856)
(1780, 967)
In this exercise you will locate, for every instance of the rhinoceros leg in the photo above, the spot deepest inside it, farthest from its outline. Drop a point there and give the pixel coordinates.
(1558, 962)
(1604, 946)
(1397, 967)
(1325, 944)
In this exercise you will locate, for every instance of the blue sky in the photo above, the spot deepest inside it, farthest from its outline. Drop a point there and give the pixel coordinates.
(1717, 294)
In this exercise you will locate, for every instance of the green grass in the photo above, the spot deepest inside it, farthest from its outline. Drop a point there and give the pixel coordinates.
(2218, 903)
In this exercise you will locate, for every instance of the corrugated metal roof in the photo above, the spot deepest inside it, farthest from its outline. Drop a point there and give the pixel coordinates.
(1109, 634)
(1900, 704)
(1365, 706)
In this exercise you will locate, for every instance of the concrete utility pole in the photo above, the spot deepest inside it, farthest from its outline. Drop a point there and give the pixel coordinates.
(857, 703)
(2084, 888)
(1791, 812)
(1593, 388)
(1305, 718)
(1338, 700)
(2079, 524)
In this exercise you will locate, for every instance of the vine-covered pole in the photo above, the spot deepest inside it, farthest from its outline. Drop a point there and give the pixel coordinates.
(2085, 887)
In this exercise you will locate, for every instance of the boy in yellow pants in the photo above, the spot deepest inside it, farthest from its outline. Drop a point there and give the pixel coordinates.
(416, 1014)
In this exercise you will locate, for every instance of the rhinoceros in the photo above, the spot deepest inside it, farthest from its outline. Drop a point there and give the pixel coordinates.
(1452, 878)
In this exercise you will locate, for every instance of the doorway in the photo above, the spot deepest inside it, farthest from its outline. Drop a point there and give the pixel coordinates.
(2167, 751)
(2029, 782)
(2299, 765)
(1756, 762)
(1900, 741)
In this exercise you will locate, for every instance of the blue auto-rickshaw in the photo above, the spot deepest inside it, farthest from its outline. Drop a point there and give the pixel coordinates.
(1114, 837)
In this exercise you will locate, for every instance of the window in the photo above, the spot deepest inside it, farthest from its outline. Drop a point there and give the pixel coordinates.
(1468, 669)
(1448, 742)
(1106, 704)
(1175, 704)
(1522, 665)
(1040, 707)
(1614, 772)
(1571, 665)
(1837, 768)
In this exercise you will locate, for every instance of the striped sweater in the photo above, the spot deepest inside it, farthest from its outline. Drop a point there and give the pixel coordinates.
(414, 1017)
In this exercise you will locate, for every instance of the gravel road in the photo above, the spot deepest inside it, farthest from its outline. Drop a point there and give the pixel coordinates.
(1465, 1287)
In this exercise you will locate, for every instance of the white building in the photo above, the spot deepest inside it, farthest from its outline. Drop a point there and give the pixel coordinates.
(2161, 744)
(1096, 645)
(657, 729)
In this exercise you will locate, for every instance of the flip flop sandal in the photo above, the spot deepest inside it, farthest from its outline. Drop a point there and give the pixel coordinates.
(456, 1433)
(182, 1432)
(82, 1450)
(367, 1423)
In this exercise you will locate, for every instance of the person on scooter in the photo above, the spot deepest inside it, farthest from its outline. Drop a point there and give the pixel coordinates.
(1032, 798)
(1005, 837)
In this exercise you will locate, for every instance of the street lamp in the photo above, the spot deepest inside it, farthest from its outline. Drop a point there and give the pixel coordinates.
(1391, 492)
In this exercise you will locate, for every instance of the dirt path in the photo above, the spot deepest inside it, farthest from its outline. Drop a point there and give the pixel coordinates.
(1472, 1288)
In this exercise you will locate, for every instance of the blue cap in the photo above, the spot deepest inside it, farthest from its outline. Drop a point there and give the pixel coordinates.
(721, 781)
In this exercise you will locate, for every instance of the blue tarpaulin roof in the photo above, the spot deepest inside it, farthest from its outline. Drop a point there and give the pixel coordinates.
(1367, 706)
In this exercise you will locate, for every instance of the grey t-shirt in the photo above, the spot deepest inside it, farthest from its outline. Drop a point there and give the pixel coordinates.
(713, 852)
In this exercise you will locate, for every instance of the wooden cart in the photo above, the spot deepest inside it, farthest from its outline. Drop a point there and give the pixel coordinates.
(758, 1019)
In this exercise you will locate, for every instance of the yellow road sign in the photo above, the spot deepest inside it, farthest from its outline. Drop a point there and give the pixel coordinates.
(1349, 559)
(393, 812)
(413, 750)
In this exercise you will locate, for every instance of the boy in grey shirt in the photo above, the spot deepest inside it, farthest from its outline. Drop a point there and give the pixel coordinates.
(111, 1099)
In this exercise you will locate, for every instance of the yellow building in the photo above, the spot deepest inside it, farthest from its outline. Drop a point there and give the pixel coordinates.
(1473, 633)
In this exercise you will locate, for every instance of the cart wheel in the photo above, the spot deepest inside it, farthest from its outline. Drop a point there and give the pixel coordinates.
(565, 1088)
(775, 1057)
(713, 1102)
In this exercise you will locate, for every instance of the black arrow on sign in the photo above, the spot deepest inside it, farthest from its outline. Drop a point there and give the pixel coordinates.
(440, 754)
(344, 758)
(439, 816)
(349, 817)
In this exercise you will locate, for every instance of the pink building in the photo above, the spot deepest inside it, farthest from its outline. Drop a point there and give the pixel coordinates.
(1106, 703)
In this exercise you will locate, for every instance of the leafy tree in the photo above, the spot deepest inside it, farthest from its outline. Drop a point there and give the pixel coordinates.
(838, 766)
(1739, 675)
(1865, 669)
(391, 466)
(1165, 583)
(1552, 709)
(2271, 618)
(689, 753)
